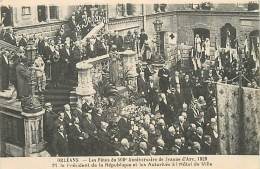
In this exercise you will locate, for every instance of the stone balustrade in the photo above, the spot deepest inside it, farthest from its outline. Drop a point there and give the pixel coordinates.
(22, 133)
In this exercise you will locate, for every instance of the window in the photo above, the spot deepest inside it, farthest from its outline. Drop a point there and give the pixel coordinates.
(54, 12)
(129, 9)
(26, 10)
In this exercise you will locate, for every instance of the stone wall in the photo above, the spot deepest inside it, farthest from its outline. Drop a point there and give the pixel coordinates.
(46, 30)
(244, 22)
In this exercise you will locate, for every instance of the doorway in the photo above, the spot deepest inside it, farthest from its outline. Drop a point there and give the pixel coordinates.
(202, 32)
(6, 16)
(225, 31)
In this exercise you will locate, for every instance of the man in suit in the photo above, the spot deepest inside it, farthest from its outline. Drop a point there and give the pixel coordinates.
(124, 148)
(40, 45)
(170, 137)
(101, 47)
(65, 60)
(23, 78)
(206, 147)
(5, 68)
(77, 138)
(141, 84)
(143, 37)
(175, 79)
(75, 58)
(124, 127)
(91, 50)
(176, 148)
(118, 41)
(186, 89)
(60, 142)
(148, 72)
(87, 124)
(163, 75)
(49, 124)
(23, 41)
(142, 150)
(10, 38)
(160, 149)
(152, 96)
(68, 118)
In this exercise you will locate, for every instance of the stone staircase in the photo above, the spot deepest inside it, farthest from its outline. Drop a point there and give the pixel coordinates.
(8, 46)
(65, 94)
(58, 97)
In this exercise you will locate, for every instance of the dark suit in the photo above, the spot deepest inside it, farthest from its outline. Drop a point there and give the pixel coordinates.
(49, 125)
(160, 151)
(147, 73)
(207, 149)
(5, 68)
(23, 78)
(10, 39)
(118, 41)
(152, 97)
(141, 85)
(41, 46)
(60, 144)
(164, 83)
(140, 153)
(124, 127)
(91, 53)
(23, 42)
(100, 48)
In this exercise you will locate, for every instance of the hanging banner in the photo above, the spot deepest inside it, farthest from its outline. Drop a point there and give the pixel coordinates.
(251, 109)
(228, 118)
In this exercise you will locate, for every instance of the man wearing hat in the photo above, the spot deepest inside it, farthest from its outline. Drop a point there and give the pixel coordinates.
(23, 78)
(5, 66)
(49, 124)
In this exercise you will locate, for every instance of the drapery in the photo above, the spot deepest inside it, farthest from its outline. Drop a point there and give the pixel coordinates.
(229, 119)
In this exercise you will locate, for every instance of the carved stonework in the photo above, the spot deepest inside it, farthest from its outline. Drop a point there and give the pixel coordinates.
(33, 125)
(129, 66)
(85, 85)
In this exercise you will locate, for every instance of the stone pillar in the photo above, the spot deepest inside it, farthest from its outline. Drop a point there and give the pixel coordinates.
(129, 65)
(33, 135)
(85, 85)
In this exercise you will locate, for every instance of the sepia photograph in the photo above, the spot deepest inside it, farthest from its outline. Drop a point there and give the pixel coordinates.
(129, 79)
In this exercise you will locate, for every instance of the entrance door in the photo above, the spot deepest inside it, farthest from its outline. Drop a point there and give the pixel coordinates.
(42, 16)
(6, 16)
(202, 32)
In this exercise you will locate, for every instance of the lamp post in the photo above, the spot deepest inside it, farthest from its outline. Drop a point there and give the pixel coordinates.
(31, 104)
(32, 112)
(158, 27)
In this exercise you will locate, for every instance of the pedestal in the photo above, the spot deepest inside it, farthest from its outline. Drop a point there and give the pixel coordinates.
(129, 65)
(85, 85)
(33, 127)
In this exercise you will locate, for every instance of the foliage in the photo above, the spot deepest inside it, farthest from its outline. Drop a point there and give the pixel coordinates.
(105, 89)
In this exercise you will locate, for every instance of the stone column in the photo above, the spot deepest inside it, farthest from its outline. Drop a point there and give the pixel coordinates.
(33, 135)
(85, 85)
(129, 65)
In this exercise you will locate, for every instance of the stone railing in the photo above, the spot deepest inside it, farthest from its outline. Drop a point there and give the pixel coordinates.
(100, 64)
(90, 71)
(21, 133)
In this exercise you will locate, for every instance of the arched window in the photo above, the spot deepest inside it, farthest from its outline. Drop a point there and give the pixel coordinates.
(254, 41)
(228, 32)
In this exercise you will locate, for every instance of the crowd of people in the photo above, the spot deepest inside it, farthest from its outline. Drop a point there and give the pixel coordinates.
(177, 117)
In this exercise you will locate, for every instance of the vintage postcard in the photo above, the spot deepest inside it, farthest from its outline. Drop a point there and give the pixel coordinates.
(129, 84)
